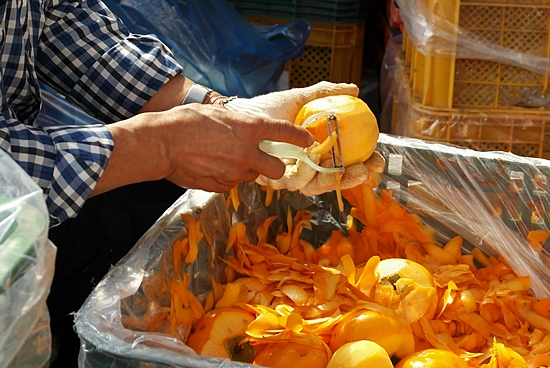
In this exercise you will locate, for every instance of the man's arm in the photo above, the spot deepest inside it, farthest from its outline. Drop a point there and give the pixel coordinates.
(88, 55)
(126, 80)
(196, 146)
(65, 161)
(173, 93)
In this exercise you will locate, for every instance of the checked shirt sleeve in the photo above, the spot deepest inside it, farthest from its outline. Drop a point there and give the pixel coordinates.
(87, 54)
(65, 161)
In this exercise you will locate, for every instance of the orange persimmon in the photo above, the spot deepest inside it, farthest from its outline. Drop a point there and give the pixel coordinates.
(432, 358)
(375, 323)
(209, 335)
(287, 354)
(360, 354)
(416, 295)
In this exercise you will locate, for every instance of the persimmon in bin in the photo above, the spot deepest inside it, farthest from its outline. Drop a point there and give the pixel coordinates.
(218, 333)
(357, 125)
(414, 286)
(287, 354)
(360, 354)
(432, 358)
(375, 323)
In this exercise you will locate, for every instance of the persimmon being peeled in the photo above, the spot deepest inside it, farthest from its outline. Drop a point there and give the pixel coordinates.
(357, 125)
(217, 333)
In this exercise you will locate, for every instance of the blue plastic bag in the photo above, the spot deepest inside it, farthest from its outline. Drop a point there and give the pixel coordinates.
(216, 45)
(56, 110)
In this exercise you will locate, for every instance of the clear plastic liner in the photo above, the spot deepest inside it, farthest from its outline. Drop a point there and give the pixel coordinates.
(491, 199)
(521, 131)
(434, 28)
(120, 297)
(453, 189)
(26, 269)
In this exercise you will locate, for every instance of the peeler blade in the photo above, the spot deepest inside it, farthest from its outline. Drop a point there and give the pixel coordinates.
(286, 150)
(335, 152)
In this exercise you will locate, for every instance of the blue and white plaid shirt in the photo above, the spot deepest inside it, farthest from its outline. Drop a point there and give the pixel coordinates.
(82, 50)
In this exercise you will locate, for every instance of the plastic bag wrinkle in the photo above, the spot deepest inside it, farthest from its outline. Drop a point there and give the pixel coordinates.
(216, 45)
(434, 35)
(26, 269)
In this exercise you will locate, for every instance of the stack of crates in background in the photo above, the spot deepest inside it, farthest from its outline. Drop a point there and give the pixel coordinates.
(469, 102)
(334, 49)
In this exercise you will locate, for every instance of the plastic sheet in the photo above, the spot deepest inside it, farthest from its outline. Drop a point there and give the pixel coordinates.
(488, 55)
(515, 130)
(26, 269)
(491, 199)
(435, 30)
(57, 110)
(215, 44)
(454, 190)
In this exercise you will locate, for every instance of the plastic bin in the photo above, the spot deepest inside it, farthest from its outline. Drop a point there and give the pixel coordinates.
(452, 189)
(516, 26)
(333, 11)
(333, 52)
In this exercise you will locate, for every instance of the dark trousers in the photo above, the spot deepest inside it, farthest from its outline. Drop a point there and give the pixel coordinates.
(107, 227)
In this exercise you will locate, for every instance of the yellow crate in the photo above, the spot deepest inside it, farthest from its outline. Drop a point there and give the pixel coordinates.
(333, 52)
(520, 25)
(509, 131)
(524, 132)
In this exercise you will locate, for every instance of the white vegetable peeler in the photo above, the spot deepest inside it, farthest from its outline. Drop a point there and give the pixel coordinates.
(287, 150)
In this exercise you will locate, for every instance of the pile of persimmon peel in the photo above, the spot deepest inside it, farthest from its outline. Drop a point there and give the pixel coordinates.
(464, 303)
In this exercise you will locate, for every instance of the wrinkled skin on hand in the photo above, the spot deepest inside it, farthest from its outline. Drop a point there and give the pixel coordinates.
(214, 149)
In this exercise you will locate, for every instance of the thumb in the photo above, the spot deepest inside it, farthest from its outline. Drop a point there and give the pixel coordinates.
(286, 104)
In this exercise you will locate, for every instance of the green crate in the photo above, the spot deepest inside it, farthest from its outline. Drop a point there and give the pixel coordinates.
(332, 11)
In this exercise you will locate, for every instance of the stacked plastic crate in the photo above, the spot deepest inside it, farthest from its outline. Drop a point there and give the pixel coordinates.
(334, 49)
(476, 97)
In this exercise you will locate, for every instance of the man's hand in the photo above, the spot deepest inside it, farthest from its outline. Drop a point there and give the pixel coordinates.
(286, 104)
(196, 146)
(206, 146)
(222, 148)
(299, 176)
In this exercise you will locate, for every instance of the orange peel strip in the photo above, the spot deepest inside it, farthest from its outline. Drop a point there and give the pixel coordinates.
(234, 196)
(194, 235)
(230, 295)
